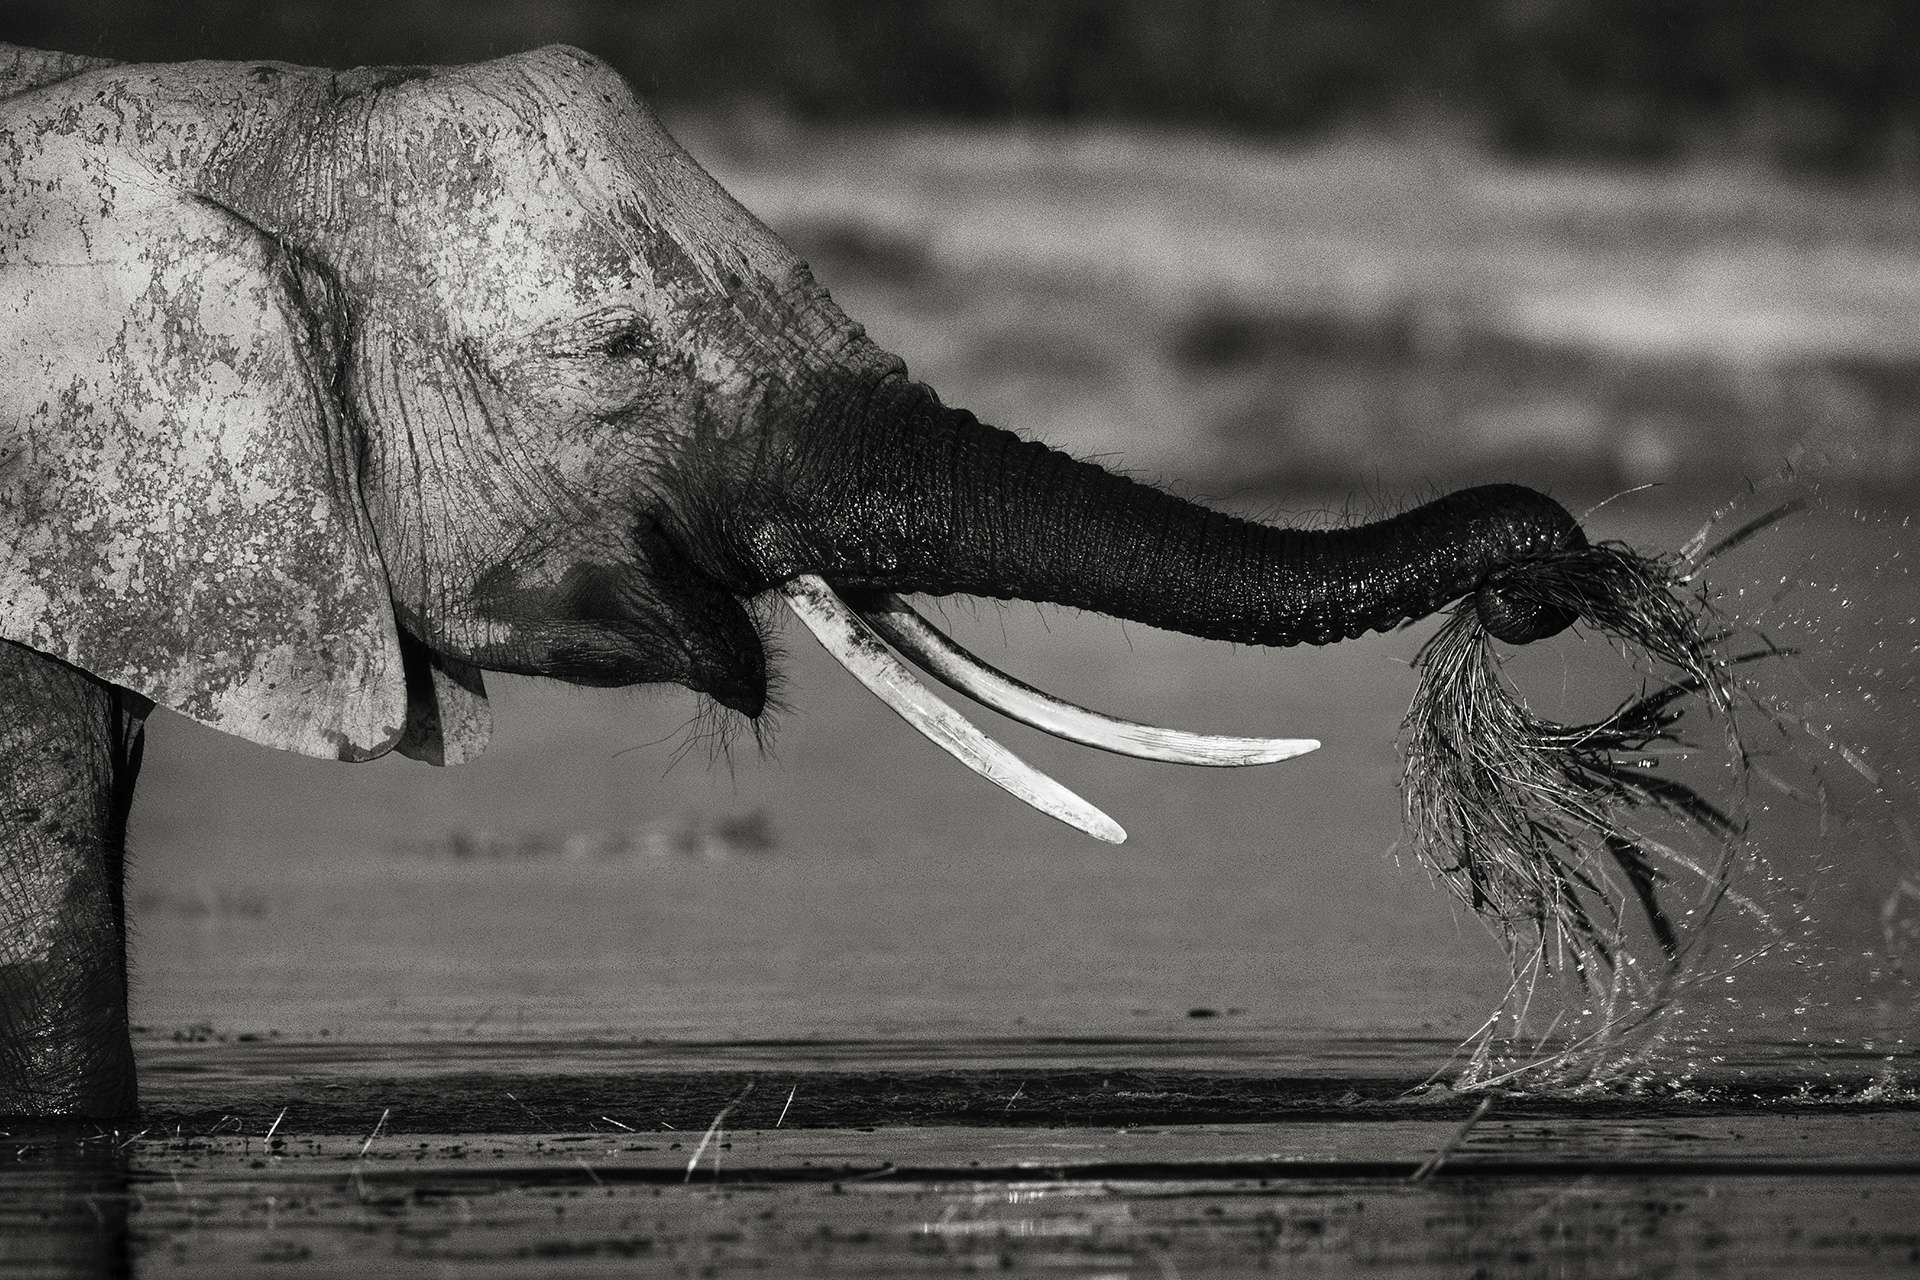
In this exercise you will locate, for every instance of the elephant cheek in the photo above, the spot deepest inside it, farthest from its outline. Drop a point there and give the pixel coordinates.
(727, 660)
(719, 647)
(614, 627)
(722, 650)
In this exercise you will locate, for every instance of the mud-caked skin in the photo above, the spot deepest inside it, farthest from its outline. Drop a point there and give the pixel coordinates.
(324, 392)
(69, 752)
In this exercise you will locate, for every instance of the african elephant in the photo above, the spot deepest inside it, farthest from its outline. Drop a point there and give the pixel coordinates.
(321, 393)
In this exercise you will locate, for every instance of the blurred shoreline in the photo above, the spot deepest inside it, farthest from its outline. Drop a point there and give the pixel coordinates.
(1244, 319)
(1250, 249)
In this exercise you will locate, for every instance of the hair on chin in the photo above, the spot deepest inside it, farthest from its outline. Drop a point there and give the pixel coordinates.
(714, 729)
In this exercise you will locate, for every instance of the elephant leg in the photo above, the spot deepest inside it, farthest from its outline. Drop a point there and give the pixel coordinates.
(69, 754)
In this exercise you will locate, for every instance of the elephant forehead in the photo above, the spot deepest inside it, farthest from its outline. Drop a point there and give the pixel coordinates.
(530, 194)
(520, 260)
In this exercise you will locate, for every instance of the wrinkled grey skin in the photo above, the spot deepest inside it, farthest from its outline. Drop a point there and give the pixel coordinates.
(66, 779)
(321, 392)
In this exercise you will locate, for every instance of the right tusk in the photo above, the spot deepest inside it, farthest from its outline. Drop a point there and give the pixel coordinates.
(939, 656)
(854, 645)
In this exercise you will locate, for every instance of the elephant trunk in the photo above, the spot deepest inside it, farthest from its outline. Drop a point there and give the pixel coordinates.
(931, 500)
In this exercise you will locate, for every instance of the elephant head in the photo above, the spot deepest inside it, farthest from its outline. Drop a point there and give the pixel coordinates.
(320, 393)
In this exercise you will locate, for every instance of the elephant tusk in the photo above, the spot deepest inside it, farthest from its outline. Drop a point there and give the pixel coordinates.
(854, 646)
(939, 656)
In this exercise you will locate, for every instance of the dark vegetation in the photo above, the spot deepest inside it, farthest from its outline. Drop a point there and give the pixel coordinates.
(1597, 419)
(1831, 87)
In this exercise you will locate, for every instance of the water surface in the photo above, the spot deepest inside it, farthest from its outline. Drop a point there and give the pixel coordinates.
(474, 1021)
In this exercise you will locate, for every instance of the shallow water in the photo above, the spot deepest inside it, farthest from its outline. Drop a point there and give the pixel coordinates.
(488, 1013)
(1723, 1193)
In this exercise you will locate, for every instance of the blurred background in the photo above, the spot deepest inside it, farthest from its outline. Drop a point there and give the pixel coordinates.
(1296, 243)
(1299, 257)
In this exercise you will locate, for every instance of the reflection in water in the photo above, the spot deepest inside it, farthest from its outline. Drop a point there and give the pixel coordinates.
(1759, 1194)
(65, 1201)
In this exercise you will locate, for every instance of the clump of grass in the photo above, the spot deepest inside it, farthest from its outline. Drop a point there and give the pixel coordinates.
(1553, 832)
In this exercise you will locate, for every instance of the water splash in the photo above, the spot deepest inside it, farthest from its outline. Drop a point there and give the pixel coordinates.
(1794, 807)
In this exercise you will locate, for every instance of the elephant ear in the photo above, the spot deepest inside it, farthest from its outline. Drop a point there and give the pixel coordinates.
(179, 497)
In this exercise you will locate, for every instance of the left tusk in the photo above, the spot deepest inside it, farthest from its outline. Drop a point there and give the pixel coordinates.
(940, 657)
(842, 633)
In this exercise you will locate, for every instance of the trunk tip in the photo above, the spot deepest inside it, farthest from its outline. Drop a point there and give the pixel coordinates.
(1513, 603)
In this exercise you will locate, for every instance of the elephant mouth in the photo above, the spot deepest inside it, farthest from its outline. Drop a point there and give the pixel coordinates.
(870, 633)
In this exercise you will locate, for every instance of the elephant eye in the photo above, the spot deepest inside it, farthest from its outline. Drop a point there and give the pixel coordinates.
(626, 342)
